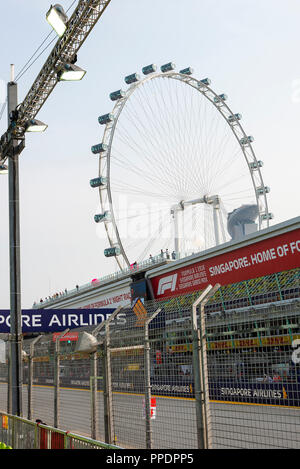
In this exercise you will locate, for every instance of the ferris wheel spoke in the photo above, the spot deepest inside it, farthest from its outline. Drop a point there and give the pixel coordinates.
(157, 131)
(149, 161)
(155, 179)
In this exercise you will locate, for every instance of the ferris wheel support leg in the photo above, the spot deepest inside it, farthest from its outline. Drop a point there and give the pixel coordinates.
(222, 226)
(176, 231)
(216, 214)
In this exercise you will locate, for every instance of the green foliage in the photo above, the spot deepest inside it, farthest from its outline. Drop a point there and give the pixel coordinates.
(4, 446)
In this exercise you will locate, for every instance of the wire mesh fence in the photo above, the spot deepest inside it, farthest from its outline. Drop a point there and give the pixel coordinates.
(220, 374)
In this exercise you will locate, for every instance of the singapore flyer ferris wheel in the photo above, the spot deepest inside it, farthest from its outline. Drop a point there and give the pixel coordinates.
(174, 165)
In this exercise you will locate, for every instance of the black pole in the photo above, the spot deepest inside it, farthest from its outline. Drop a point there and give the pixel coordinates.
(15, 372)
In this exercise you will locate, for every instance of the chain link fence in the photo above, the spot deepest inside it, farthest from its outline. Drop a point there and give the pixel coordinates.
(215, 369)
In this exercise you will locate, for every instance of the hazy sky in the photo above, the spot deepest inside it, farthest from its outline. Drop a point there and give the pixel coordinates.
(249, 49)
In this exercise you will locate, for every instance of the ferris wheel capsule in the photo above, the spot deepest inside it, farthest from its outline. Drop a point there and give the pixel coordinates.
(220, 98)
(112, 252)
(133, 78)
(263, 190)
(256, 165)
(247, 140)
(102, 217)
(98, 182)
(267, 216)
(205, 81)
(234, 117)
(168, 67)
(105, 119)
(149, 69)
(187, 71)
(115, 95)
(99, 148)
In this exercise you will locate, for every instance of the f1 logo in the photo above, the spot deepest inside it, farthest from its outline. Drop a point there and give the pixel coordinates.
(167, 283)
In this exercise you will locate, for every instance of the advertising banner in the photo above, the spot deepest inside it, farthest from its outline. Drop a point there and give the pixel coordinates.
(56, 320)
(120, 297)
(278, 394)
(257, 260)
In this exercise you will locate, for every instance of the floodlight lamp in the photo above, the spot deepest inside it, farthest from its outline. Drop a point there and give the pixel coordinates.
(3, 169)
(35, 126)
(70, 72)
(58, 19)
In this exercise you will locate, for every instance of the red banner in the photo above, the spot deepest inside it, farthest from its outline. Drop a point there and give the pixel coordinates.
(262, 258)
(66, 337)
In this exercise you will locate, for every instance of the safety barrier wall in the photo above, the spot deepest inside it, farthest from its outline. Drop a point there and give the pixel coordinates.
(214, 371)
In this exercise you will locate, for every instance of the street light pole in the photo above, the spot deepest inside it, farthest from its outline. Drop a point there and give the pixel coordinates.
(15, 371)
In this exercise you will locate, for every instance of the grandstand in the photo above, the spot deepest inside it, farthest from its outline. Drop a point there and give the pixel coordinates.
(260, 268)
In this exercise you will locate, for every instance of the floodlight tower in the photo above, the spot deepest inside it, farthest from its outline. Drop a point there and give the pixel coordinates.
(58, 67)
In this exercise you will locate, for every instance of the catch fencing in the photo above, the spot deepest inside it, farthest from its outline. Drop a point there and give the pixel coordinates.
(215, 369)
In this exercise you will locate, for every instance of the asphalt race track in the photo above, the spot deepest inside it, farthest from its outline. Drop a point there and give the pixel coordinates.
(174, 425)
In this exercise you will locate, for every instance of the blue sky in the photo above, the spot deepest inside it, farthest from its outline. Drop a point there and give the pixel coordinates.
(250, 51)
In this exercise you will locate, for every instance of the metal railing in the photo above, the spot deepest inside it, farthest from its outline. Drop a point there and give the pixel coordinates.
(19, 433)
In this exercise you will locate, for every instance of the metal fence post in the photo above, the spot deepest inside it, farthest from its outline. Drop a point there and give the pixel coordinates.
(93, 387)
(30, 376)
(14, 432)
(94, 384)
(200, 367)
(148, 381)
(56, 378)
(8, 357)
(108, 414)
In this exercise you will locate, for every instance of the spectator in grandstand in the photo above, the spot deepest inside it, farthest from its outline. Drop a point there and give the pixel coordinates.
(133, 266)
(173, 255)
